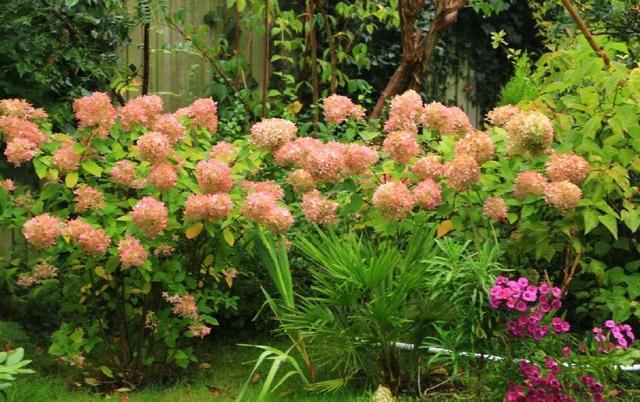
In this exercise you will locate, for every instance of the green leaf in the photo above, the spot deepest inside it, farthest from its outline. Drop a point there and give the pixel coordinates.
(228, 237)
(41, 169)
(106, 371)
(71, 180)
(631, 219)
(92, 168)
(590, 220)
(610, 223)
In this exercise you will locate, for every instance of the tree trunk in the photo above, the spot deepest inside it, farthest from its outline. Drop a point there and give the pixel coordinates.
(313, 48)
(417, 49)
(146, 55)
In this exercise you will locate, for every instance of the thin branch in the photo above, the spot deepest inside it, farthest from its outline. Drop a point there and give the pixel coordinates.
(585, 31)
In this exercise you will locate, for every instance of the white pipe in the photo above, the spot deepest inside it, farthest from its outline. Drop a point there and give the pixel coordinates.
(410, 346)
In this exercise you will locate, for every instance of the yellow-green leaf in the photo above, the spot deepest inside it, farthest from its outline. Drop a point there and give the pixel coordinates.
(92, 168)
(106, 371)
(193, 231)
(102, 273)
(71, 180)
(445, 227)
(228, 237)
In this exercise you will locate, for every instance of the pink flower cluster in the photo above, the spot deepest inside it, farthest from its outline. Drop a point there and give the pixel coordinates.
(402, 146)
(318, 209)
(495, 208)
(538, 386)
(185, 306)
(393, 200)
(131, 252)
(208, 207)
(562, 195)
(428, 167)
(223, 151)
(264, 209)
(42, 231)
(405, 113)
(92, 241)
(40, 272)
(154, 147)
(88, 198)
(141, 110)
(337, 109)
(95, 111)
(23, 139)
(271, 134)
(213, 177)
(532, 303)
(529, 183)
(270, 187)
(124, 174)
(461, 172)
(427, 194)
(7, 185)
(501, 115)
(529, 132)
(169, 126)
(567, 166)
(150, 216)
(446, 120)
(22, 109)
(66, 159)
(203, 114)
(622, 334)
(476, 144)
(301, 181)
(163, 176)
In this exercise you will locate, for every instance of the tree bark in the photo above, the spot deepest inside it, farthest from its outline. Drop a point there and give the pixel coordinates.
(417, 48)
(585, 31)
(146, 60)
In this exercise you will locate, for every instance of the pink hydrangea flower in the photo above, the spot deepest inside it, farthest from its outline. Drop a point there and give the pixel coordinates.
(7, 185)
(131, 252)
(124, 173)
(150, 216)
(203, 113)
(461, 172)
(43, 230)
(393, 199)
(213, 177)
(141, 110)
(163, 176)
(562, 195)
(74, 228)
(94, 242)
(20, 150)
(358, 158)
(401, 146)
(476, 144)
(66, 159)
(22, 109)
(405, 112)
(328, 163)
(169, 126)
(337, 109)
(200, 330)
(446, 120)
(297, 151)
(501, 115)
(223, 151)
(530, 132)
(184, 306)
(270, 187)
(271, 134)
(301, 181)
(529, 183)
(154, 147)
(95, 111)
(13, 128)
(428, 194)
(264, 209)
(41, 272)
(495, 208)
(208, 207)
(317, 209)
(428, 167)
(88, 198)
(567, 166)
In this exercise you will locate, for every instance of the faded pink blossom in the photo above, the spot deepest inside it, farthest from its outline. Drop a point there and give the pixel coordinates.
(337, 109)
(150, 216)
(131, 252)
(163, 176)
(478, 145)
(141, 110)
(8, 185)
(74, 228)
(66, 159)
(270, 187)
(223, 151)
(562, 195)
(41, 272)
(501, 115)
(264, 209)
(328, 163)
(22, 109)
(427, 194)
(42, 231)
(95, 111)
(94, 241)
(428, 167)
(124, 173)
(393, 199)
(301, 181)
(401, 146)
(530, 132)
(203, 113)
(213, 177)
(169, 126)
(271, 134)
(529, 183)
(495, 208)
(358, 158)
(461, 172)
(208, 207)
(318, 209)
(20, 150)
(567, 166)
(184, 306)
(296, 152)
(154, 147)
(405, 112)
(13, 128)
(200, 330)
(88, 198)
(446, 120)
